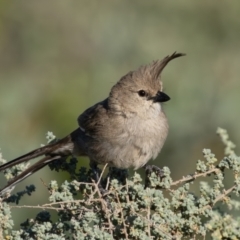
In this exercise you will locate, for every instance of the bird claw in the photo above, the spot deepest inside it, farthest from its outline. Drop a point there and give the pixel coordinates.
(152, 168)
(148, 170)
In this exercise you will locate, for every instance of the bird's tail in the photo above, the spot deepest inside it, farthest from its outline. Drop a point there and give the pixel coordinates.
(28, 172)
(31, 155)
(53, 151)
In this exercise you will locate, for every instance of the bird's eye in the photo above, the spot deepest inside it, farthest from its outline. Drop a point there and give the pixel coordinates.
(142, 93)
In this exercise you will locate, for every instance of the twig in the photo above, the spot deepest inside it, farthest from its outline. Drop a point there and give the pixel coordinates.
(122, 218)
(103, 170)
(194, 176)
(224, 194)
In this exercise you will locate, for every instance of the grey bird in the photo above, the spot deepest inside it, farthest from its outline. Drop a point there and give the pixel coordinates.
(125, 130)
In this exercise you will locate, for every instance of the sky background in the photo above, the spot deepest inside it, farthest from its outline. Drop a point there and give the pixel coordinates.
(58, 58)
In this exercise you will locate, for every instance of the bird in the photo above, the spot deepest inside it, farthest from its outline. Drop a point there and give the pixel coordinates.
(125, 130)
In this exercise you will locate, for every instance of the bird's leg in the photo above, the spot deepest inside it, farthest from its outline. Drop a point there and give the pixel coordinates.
(152, 168)
(97, 173)
(103, 191)
(95, 170)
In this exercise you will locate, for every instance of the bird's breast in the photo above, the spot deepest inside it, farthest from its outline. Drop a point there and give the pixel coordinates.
(133, 143)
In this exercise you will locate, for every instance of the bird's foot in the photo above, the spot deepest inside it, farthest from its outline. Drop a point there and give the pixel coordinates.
(149, 169)
(152, 168)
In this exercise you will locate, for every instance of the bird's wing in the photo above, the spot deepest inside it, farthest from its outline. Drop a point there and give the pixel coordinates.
(93, 120)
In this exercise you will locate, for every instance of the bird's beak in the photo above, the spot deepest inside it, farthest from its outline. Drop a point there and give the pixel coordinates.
(161, 97)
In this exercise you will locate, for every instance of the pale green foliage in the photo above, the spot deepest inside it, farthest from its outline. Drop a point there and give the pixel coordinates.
(129, 209)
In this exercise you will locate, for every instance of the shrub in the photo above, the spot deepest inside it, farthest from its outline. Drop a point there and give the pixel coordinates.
(122, 207)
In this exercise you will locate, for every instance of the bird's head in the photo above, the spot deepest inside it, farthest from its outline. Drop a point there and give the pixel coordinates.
(141, 91)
